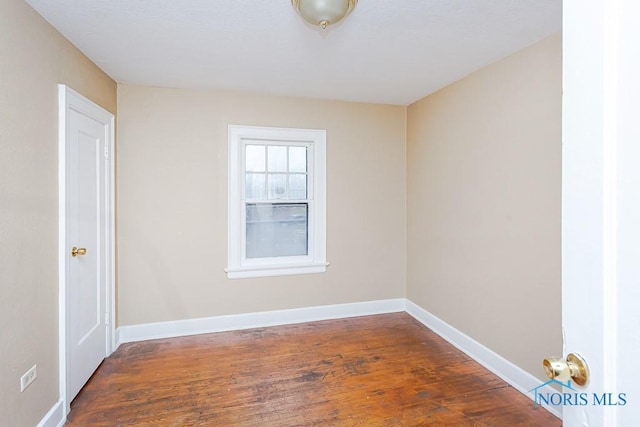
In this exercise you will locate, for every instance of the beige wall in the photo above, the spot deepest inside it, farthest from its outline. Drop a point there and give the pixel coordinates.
(172, 203)
(34, 58)
(483, 190)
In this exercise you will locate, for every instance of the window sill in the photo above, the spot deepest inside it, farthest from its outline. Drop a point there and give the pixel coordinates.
(275, 270)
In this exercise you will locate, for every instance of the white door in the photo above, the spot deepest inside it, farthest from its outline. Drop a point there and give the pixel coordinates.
(601, 207)
(87, 135)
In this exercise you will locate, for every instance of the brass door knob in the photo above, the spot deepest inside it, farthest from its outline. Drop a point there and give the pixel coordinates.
(78, 251)
(574, 368)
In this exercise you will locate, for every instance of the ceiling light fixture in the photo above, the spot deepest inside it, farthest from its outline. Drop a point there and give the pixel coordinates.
(323, 12)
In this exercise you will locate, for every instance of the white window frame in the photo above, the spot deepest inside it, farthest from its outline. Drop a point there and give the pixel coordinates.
(238, 266)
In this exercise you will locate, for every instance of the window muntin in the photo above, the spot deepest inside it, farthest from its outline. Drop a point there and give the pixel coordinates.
(276, 172)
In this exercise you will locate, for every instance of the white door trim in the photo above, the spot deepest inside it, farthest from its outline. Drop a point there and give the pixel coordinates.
(68, 98)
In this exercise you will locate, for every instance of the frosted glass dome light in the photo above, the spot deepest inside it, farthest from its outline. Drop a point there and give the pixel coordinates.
(323, 12)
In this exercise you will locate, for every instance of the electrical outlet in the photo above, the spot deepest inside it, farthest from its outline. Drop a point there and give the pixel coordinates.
(28, 377)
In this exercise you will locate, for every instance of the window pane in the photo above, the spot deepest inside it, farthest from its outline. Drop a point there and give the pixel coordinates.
(297, 186)
(277, 230)
(277, 186)
(255, 186)
(255, 158)
(297, 159)
(277, 158)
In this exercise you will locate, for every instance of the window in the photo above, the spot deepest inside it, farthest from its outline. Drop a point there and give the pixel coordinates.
(277, 202)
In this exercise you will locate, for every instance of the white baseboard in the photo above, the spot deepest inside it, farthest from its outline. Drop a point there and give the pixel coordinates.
(55, 417)
(512, 374)
(233, 322)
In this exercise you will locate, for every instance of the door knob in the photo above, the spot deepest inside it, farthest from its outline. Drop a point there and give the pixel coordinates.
(574, 367)
(78, 251)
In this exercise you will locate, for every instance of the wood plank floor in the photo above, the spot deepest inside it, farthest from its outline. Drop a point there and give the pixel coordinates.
(386, 370)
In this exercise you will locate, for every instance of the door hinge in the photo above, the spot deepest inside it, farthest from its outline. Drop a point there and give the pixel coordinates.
(106, 151)
(106, 318)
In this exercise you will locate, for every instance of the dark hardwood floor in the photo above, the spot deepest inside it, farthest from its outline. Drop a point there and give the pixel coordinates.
(386, 370)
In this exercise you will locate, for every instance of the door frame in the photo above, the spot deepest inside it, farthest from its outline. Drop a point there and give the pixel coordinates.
(70, 99)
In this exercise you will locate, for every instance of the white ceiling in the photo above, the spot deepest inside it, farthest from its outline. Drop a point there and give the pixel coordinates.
(386, 51)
